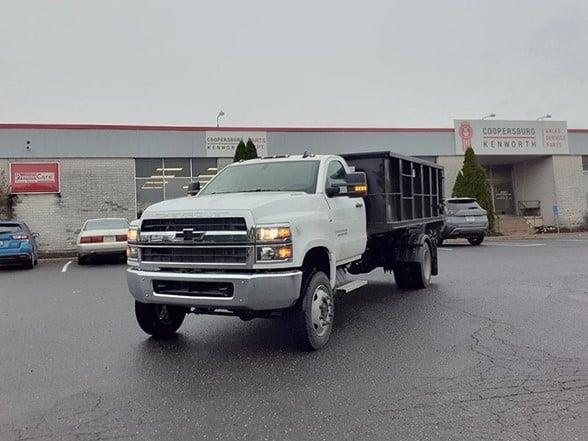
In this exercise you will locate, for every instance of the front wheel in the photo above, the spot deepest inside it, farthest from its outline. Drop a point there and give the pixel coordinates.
(476, 240)
(311, 319)
(160, 321)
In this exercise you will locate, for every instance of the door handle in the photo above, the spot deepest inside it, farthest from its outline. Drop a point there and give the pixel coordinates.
(358, 205)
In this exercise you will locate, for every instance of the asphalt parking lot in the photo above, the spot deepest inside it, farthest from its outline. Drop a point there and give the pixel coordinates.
(497, 349)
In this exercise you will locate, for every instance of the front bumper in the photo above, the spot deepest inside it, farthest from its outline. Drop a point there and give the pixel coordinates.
(256, 291)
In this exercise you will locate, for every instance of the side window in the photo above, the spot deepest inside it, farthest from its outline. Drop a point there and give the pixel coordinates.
(336, 175)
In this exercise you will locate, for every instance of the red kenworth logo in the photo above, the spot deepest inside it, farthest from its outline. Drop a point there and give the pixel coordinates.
(466, 133)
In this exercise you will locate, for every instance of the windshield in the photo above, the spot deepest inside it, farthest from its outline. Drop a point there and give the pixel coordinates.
(106, 224)
(266, 176)
(10, 228)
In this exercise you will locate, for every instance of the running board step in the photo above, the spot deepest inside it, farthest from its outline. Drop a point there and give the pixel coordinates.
(351, 286)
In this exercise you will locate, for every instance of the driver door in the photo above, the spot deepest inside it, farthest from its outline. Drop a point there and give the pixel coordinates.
(348, 222)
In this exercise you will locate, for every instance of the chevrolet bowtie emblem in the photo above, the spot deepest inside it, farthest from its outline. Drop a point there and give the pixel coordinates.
(188, 233)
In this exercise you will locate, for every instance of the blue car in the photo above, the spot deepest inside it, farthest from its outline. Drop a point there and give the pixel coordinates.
(18, 246)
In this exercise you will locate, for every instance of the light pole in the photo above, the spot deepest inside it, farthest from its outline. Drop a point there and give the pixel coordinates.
(546, 116)
(491, 115)
(221, 113)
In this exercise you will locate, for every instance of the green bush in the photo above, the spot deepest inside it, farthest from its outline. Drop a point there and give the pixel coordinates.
(245, 151)
(472, 182)
(251, 149)
(240, 152)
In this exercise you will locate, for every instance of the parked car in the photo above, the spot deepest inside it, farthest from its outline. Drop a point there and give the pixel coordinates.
(466, 219)
(18, 245)
(104, 237)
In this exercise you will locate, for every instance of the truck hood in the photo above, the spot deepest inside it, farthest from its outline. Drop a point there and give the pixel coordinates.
(262, 205)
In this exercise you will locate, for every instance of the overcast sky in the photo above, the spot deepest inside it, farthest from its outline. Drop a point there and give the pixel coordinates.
(297, 63)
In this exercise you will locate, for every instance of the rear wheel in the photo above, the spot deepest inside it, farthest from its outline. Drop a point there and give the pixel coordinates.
(82, 260)
(160, 321)
(476, 240)
(416, 275)
(403, 276)
(30, 264)
(311, 319)
(423, 269)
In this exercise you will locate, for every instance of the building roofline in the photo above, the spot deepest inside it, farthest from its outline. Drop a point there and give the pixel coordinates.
(26, 126)
(35, 126)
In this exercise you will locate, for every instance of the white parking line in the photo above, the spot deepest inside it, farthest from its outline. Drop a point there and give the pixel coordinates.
(66, 266)
(444, 249)
(496, 244)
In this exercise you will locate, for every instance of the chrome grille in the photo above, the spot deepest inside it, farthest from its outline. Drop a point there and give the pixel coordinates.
(197, 224)
(202, 255)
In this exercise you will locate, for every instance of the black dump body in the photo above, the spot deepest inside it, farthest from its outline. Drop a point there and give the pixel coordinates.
(402, 191)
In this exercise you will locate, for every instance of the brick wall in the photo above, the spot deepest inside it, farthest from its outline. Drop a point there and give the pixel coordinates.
(569, 189)
(90, 188)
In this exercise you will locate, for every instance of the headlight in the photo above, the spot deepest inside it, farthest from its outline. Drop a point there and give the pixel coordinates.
(278, 233)
(274, 243)
(133, 235)
(281, 253)
(132, 252)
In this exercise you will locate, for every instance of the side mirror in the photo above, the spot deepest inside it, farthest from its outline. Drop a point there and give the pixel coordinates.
(356, 185)
(193, 188)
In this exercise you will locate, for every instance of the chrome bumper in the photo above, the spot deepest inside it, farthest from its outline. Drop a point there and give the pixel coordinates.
(263, 291)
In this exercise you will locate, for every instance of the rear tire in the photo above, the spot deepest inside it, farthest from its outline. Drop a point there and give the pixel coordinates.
(422, 270)
(82, 260)
(30, 264)
(475, 241)
(311, 319)
(160, 321)
(416, 275)
(403, 276)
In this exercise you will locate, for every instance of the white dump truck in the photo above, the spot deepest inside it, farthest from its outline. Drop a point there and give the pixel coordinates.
(279, 237)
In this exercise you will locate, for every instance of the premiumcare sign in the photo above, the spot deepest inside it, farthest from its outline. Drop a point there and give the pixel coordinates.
(223, 144)
(34, 177)
(495, 137)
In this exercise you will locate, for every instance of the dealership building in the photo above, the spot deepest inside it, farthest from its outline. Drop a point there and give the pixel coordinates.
(61, 175)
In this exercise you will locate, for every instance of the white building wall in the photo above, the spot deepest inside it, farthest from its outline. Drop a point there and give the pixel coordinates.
(452, 166)
(533, 180)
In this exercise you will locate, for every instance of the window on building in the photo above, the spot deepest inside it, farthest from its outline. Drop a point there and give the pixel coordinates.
(158, 179)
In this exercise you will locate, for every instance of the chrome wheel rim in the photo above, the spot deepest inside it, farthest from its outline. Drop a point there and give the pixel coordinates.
(321, 310)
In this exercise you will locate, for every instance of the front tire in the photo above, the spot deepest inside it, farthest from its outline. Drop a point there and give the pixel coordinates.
(475, 241)
(160, 321)
(311, 319)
